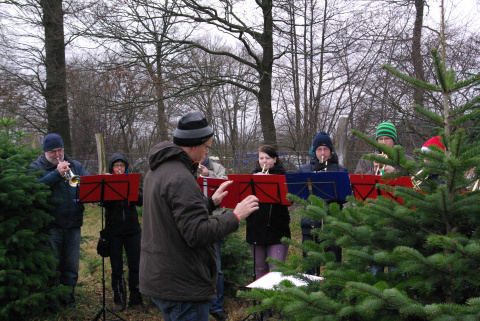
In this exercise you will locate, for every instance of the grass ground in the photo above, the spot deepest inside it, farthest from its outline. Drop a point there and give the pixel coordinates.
(89, 292)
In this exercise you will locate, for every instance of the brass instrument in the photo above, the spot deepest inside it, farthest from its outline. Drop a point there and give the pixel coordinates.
(70, 177)
(416, 182)
(265, 171)
(326, 163)
(381, 167)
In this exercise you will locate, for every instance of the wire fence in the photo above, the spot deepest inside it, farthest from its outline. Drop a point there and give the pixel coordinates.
(243, 163)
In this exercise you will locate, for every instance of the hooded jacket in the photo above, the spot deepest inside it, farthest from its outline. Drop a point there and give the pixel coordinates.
(68, 213)
(122, 218)
(271, 222)
(178, 257)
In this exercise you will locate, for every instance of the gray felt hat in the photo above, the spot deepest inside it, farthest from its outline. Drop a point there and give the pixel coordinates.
(192, 130)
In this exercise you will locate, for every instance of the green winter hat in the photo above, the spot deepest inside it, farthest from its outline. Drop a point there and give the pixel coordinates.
(386, 129)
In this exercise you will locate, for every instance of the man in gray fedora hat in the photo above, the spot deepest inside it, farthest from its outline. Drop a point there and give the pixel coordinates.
(178, 267)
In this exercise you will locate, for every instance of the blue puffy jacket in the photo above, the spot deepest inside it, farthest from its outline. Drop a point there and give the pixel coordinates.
(67, 212)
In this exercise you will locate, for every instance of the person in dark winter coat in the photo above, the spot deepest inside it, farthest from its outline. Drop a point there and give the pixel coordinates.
(324, 158)
(267, 226)
(123, 231)
(67, 212)
(178, 267)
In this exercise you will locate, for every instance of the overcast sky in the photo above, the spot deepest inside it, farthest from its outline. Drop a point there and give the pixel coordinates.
(459, 12)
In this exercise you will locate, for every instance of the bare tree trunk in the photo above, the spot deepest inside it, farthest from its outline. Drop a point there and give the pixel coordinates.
(318, 95)
(416, 51)
(295, 74)
(265, 71)
(55, 91)
(159, 86)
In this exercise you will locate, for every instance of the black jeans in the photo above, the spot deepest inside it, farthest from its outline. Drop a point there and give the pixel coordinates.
(131, 243)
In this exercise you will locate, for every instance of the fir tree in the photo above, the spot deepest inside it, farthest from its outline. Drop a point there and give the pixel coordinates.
(431, 241)
(27, 264)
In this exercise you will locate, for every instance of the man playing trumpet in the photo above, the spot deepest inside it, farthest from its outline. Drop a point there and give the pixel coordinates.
(67, 213)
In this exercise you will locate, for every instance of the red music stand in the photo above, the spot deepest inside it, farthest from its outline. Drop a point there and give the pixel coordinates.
(209, 186)
(100, 188)
(364, 186)
(268, 188)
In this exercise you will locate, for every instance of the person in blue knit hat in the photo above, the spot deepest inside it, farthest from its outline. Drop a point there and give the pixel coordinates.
(67, 213)
(324, 159)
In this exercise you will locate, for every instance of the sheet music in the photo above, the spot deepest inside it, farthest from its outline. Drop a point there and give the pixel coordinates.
(271, 279)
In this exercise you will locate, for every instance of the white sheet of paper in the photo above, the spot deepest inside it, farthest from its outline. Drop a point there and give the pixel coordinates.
(269, 280)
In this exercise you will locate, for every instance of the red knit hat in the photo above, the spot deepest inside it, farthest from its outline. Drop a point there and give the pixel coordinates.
(433, 141)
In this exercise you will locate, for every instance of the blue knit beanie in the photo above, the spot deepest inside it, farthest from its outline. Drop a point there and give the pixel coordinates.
(322, 139)
(52, 141)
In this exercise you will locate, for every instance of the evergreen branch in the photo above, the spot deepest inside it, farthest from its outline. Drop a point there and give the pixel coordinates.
(438, 64)
(412, 80)
(418, 257)
(467, 106)
(365, 288)
(390, 152)
(465, 118)
(447, 242)
(434, 117)
(361, 255)
(297, 200)
(466, 82)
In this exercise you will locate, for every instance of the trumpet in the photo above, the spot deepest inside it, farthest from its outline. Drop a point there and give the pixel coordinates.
(263, 169)
(326, 163)
(70, 177)
(381, 167)
(416, 182)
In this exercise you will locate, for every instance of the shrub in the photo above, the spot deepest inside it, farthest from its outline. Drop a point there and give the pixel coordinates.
(27, 264)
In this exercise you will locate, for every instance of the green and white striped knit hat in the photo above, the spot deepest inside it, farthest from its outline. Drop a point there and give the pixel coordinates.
(386, 129)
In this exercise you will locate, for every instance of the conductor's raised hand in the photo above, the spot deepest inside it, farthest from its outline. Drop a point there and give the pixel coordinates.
(220, 193)
(246, 207)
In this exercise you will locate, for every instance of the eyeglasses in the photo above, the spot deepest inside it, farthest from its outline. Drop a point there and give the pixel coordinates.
(119, 165)
(54, 151)
(208, 147)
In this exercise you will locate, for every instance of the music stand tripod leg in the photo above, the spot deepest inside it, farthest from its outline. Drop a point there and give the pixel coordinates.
(104, 309)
